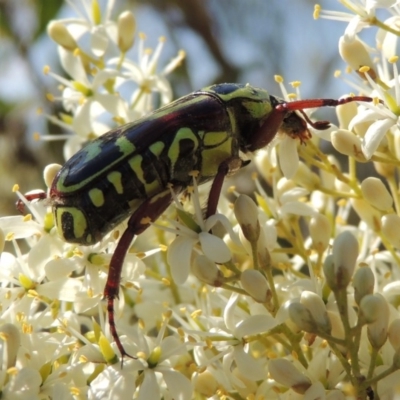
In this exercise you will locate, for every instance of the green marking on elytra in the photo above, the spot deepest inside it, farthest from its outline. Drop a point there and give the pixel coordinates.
(125, 146)
(183, 133)
(157, 148)
(78, 218)
(136, 165)
(96, 196)
(213, 157)
(214, 138)
(115, 178)
(92, 151)
(80, 223)
(166, 110)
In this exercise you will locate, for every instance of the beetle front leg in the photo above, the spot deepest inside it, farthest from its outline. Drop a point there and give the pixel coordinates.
(140, 220)
(268, 129)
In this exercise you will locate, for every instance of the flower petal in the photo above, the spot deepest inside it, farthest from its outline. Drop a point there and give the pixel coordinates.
(374, 135)
(254, 325)
(178, 256)
(248, 366)
(214, 248)
(149, 388)
(288, 156)
(178, 385)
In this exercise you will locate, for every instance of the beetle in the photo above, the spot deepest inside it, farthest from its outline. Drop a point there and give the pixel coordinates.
(133, 170)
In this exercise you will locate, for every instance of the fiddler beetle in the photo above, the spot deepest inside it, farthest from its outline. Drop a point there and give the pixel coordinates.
(134, 170)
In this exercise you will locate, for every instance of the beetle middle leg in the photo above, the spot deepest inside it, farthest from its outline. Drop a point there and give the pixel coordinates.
(140, 220)
(227, 167)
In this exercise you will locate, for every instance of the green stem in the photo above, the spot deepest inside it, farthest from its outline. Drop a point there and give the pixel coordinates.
(372, 363)
(379, 377)
(375, 21)
(295, 345)
(254, 254)
(234, 289)
(344, 362)
(271, 283)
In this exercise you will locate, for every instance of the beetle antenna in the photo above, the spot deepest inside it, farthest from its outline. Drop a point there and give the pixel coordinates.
(319, 125)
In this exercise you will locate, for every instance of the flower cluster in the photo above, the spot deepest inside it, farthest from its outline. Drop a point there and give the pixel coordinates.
(290, 293)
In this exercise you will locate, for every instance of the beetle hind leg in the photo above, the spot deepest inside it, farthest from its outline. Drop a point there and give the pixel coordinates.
(140, 220)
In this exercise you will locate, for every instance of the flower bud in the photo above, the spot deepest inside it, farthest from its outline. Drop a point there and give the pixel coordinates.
(354, 52)
(285, 373)
(9, 345)
(394, 334)
(206, 271)
(345, 113)
(206, 384)
(376, 194)
(317, 308)
(126, 30)
(60, 34)
(363, 282)
(348, 143)
(255, 284)
(378, 309)
(320, 232)
(370, 215)
(329, 272)
(49, 173)
(370, 307)
(246, 213)
(302, 317)
(385, 169)
(390, 228)
(345, 253)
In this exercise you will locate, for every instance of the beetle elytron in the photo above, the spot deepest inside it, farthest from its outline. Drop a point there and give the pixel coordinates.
(131, 170)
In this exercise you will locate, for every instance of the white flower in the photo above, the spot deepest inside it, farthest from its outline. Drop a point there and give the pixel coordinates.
(197, 239)
(93, 22)
(95, 94)
(230, 352)
(361, 16)
(155, 367)
(384, 119)
(148, 81)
